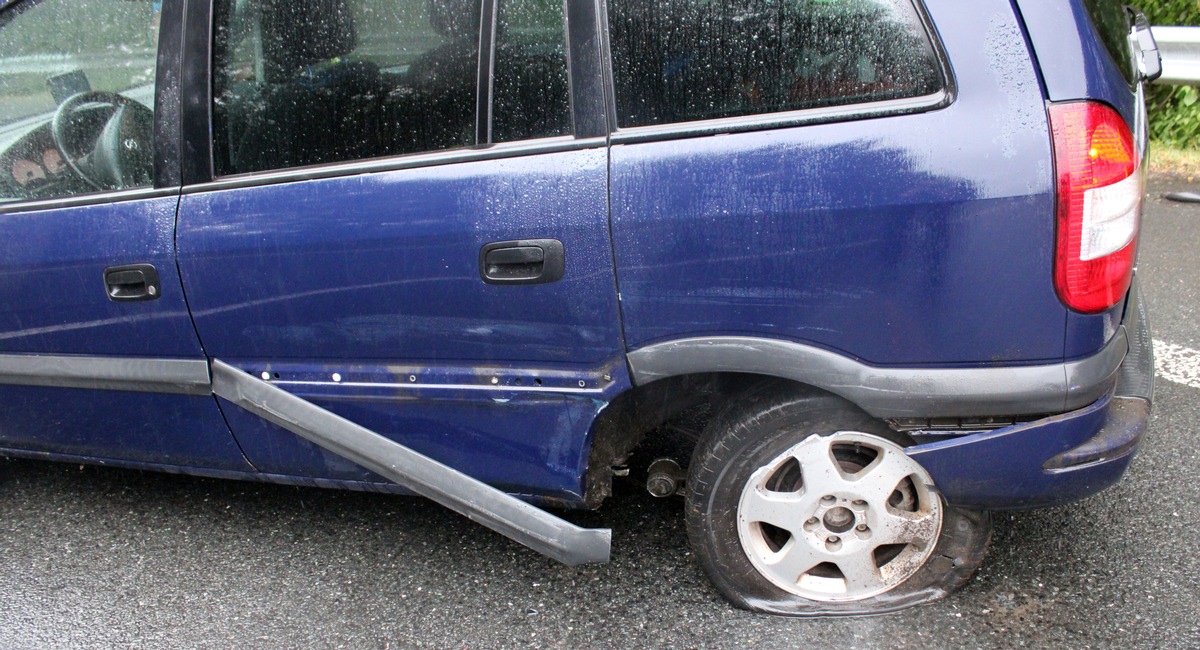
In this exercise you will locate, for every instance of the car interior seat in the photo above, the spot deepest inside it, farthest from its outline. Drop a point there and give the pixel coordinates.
(434, 107)
(313, 104)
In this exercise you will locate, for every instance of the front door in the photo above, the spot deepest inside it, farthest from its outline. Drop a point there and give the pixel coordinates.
(387, 237)
(98, 356)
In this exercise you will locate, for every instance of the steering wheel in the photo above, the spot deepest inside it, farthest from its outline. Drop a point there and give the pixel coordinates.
(120, 155)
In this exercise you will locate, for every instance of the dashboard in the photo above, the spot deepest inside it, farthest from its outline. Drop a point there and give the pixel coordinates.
(33, 168)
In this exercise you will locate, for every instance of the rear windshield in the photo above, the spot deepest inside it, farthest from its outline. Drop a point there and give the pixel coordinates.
(685, 60)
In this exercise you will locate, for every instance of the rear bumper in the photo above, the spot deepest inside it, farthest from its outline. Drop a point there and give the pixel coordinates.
(1057, 459)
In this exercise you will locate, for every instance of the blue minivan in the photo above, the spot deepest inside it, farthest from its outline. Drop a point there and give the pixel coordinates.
(876, 256)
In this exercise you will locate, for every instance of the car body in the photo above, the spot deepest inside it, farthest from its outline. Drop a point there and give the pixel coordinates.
(417, 246)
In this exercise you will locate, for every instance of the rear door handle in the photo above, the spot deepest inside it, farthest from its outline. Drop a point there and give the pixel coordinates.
(523, 261)
(132, 283)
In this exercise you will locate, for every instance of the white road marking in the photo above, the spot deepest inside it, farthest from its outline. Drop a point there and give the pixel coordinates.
(1177, 363)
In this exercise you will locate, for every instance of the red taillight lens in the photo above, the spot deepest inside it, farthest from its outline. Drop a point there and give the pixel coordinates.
(1099, 205)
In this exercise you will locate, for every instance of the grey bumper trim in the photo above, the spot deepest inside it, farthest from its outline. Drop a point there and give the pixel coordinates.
(181, 376)
(483, 504)
(894, 392)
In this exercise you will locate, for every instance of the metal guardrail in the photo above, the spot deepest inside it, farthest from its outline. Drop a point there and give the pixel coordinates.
(1180, 51)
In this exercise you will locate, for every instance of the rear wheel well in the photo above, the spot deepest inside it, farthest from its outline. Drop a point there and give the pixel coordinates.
(664, 419)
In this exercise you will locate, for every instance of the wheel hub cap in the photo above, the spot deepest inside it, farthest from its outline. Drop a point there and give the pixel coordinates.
(838, 520)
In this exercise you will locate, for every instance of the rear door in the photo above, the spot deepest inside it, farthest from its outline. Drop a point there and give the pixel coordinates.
(98, 357)
(387, 237)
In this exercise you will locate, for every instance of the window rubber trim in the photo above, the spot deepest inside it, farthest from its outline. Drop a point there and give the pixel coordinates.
(196, 146)
(585, 68)
(83, 200)
(484, 91)
(167, 172)
(396, 163)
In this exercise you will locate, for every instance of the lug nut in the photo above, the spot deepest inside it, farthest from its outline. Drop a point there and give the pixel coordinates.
(862, 528)
(834, 539)
(828, 498)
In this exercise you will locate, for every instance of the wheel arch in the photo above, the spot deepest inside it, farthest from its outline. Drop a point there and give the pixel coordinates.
(633, 420)
(984, 389)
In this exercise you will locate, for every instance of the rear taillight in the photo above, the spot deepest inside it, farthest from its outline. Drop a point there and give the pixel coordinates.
(1099, 205)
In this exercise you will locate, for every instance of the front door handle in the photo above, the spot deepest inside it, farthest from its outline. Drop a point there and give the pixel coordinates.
(132, 283)
(524, 261)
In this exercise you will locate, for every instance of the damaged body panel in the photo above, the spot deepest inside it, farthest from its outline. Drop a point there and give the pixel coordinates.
(468, 496)
(522, 429)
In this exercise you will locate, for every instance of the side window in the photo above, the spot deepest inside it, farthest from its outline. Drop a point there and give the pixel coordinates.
(530, 83)
(1112, 22)
(306, 82)
(76, 97)
(684, 60)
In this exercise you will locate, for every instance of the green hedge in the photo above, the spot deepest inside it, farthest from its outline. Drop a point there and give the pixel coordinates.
(1174, 110)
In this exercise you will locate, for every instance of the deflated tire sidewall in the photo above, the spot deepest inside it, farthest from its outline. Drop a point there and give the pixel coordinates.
(753, 432)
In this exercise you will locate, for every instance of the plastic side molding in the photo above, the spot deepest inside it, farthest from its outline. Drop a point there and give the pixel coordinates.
(894, 392)
(179, 376)
(483, 504)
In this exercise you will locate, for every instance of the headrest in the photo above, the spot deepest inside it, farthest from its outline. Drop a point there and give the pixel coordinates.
(455, 18)
(297, 33)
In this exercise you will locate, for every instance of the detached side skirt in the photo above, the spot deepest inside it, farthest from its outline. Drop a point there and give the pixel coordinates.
(483, 504)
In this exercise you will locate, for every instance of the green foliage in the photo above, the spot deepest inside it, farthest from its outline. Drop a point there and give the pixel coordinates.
(1171, 12)
(1175, 115)
(1174, 110)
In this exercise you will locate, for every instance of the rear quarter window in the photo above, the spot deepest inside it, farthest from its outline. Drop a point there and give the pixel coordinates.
(687, 60)
(1112, 22)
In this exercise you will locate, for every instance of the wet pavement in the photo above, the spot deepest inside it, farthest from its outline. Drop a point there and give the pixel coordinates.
(99, 557)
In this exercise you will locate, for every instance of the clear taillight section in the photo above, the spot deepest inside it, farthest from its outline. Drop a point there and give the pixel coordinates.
(1099, 205)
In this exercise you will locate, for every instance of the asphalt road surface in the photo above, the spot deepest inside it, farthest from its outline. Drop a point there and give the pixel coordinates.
(101, 558)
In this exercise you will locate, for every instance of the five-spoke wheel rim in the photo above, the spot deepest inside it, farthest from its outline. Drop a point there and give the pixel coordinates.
(840, 517)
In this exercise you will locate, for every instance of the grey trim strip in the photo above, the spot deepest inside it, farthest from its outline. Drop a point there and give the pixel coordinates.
(483, 504)
(180, 376)
(894, 392)
(432, 159)
(88, 199)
